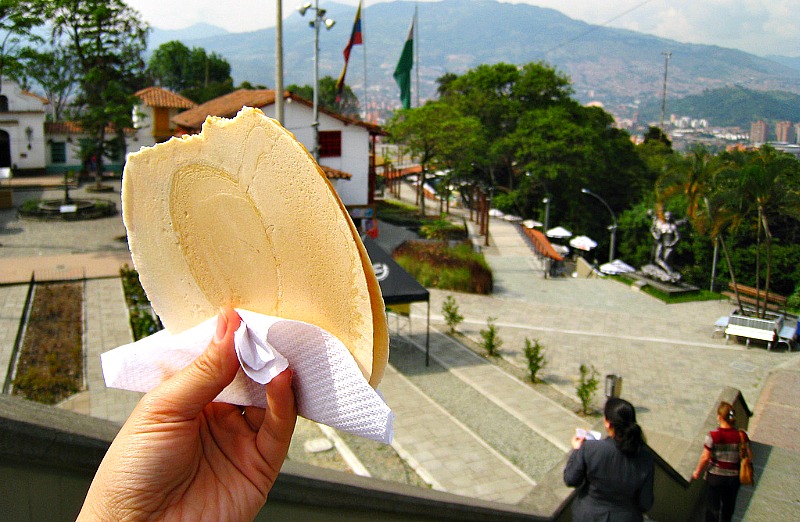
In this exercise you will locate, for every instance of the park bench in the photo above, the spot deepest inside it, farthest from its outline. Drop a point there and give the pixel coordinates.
(748, 296)
(764, 329)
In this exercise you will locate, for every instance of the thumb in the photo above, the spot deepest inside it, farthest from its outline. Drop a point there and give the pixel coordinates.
(189, 390)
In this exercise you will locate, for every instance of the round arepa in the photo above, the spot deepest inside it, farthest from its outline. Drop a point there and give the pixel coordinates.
(241, 215)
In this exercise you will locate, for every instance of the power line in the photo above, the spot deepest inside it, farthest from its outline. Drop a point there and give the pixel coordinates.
(596, 27)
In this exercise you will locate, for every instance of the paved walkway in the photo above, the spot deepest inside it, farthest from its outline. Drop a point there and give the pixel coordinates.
(451, 417)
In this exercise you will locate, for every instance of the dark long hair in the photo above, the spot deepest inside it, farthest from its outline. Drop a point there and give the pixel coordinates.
(627, 433)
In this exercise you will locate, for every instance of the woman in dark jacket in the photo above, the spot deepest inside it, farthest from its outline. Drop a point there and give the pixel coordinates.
(614, 475)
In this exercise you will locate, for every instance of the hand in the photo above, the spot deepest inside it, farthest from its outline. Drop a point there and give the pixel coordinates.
(577, 441)
(182, 456)
(696, 474)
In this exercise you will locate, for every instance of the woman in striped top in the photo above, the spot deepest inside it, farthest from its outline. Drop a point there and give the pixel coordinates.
(721, 456)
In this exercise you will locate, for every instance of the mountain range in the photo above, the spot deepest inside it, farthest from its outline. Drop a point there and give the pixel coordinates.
(619, 68)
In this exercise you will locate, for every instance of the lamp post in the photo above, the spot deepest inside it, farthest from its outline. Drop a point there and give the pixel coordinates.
(319, 19)
(612, 228)
(546, 202)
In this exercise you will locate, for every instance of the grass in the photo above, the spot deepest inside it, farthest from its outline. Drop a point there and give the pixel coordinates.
(436, 265)
(430, 227)
(684, 297)
(50, 367)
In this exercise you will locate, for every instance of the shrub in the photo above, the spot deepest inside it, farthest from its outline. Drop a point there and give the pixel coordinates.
(534, 353)
(450, 312)
(143, 323)
(587, 386)
(491, 340)
(437, 265)
(442, 229)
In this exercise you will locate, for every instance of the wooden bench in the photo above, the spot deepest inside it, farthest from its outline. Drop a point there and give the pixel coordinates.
(749, 295)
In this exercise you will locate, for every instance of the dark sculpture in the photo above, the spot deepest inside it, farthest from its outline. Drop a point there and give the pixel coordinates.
(666, 235)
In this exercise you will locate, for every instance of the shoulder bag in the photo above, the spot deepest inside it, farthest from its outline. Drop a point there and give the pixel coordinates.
(745, 462)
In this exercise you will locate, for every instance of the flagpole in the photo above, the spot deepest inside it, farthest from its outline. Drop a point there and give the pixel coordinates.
(364, 45)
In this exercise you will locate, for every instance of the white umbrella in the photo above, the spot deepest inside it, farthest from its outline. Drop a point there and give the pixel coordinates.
(512, 219)
(530, 223)
(616, 267)
(583, 243)
(559, 233)
(493, 212)
(561, 249)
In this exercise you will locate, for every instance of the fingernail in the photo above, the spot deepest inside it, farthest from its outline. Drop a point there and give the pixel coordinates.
(222, 327)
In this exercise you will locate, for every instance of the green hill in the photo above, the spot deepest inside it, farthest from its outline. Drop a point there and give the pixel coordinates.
(733, 106)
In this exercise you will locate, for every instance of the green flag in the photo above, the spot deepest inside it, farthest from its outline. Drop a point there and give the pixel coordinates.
(402, 73)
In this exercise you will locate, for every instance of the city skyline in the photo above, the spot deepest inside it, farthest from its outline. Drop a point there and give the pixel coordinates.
(761, 27)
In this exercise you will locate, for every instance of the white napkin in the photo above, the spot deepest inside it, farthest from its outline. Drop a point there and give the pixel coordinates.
(329, 387)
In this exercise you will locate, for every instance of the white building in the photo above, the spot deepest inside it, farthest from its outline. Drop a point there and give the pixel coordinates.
(22, 139)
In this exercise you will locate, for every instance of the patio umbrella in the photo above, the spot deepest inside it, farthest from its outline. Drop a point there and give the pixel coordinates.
(493, 212)
(561, 249)
(616, 267)
(582, 243)
(530, 223)
(559, 233)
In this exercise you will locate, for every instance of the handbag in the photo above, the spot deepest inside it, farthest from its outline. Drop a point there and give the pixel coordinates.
(745, 462)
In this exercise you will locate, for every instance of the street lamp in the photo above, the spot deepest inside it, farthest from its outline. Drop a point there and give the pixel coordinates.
(546, 202)
(319, 19)
(612, 228)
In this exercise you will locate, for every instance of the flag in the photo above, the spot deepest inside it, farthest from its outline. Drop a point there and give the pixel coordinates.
(402, 73)
(356, 38)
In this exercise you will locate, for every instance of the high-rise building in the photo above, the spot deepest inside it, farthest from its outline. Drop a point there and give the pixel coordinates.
(759, 132)
(784, 131)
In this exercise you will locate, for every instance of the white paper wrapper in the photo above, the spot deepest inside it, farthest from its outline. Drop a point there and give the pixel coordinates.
(328, 385)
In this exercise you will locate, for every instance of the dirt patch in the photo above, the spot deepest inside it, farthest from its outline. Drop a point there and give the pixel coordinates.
(50, 364)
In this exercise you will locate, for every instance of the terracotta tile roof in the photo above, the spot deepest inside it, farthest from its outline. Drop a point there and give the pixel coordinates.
(73, 127)
(228, 105)
(62, 127)
(225, 106)
(160, 97)
(335, 174)
(42, 99)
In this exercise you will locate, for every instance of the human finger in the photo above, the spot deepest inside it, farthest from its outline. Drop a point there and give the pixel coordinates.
(199, 383)
(279, 417)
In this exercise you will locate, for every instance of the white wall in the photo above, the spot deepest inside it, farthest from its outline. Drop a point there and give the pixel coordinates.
(355, 148)
(24, 112)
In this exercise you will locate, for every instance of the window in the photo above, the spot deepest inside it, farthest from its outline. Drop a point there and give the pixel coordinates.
(58, 152)
(3, 104)
(330, 144)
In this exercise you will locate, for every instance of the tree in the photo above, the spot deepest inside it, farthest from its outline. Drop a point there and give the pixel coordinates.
(106, 39)
(437, 135)
(191, 72)
(17, 39)
(450, 313)
(768, 184)
(54, 72)
(348, 104)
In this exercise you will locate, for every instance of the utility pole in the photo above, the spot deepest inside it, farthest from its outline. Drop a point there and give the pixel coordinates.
(667, 55)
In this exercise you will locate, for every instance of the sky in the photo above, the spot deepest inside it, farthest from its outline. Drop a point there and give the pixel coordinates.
(761, 27)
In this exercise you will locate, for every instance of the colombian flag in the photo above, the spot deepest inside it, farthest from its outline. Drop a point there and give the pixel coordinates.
(356, 38)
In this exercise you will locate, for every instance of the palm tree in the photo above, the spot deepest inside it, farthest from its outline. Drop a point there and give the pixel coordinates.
(766, 190)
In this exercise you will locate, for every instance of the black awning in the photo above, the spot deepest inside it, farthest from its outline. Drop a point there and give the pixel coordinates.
(397, 285)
